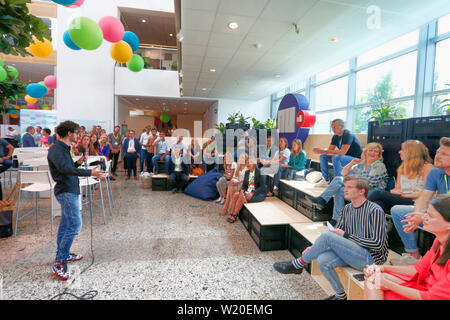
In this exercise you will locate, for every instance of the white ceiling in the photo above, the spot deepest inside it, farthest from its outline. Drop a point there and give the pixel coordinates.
(32, 72)
(244, 72)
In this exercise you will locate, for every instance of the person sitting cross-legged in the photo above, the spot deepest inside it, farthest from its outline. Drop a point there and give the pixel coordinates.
(179, 171)
(358, 239)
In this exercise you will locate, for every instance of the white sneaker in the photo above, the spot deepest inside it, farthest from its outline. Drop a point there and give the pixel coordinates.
(218, 200)
(322, 183)
(405, 259)
(222, 201)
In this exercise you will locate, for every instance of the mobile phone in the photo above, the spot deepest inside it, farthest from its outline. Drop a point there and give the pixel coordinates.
(330, 226)
(359, 276)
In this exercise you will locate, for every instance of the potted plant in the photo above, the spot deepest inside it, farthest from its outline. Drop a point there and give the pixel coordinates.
(221, 127)
(270, 124)
(382, 113)
(257, 124)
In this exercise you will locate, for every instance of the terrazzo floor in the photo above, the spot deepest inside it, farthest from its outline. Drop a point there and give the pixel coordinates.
(156, 245)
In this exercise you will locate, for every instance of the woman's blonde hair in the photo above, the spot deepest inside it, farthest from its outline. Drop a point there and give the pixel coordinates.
(416, 157)
(373, 145)
(241, 165)
(299, 143)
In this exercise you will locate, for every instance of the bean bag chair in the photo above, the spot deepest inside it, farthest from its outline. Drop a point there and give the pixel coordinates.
(204, 187)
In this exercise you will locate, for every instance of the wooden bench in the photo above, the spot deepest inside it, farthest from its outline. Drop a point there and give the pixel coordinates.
(160, 182)
(268, 222)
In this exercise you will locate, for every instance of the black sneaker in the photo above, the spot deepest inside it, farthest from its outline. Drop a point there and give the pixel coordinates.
(74, 257)
(337, 297)
(174, 190)
(287, 267)
(60, 270)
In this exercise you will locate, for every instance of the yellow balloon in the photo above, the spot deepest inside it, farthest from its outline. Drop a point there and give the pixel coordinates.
(30, 99)
(121, 52)
(41, 49)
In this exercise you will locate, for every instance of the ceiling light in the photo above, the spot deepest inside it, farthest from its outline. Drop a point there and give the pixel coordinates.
(144, 21)
(233, 25)
(171, 34)
(137, 99)
(334, 39)
(212, 70)
(185, 103)
(277, 76)
(204, 89)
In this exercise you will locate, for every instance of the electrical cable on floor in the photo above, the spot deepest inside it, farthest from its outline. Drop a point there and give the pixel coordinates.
(90, 295)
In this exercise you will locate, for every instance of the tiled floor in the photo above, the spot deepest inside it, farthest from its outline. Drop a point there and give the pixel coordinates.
(156, 245)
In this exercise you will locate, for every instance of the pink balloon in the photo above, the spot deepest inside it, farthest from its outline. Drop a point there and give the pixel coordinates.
(77, 4)
(32, 106)
(53, 106)
(49, 92)
(50, 82)
(113, 29)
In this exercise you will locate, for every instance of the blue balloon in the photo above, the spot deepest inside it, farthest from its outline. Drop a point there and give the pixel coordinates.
(68, 41)
(132, 39)
(36, 90)
(65, 2)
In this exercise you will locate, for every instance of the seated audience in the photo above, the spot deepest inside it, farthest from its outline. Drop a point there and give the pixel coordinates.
(162, 153)
(297, 160)
(222, 184)
(429, 278)
(370, 166)
(281, 160)
(179, 144)
(358, 239)
(131, 149)
(264, 158)
(28, 139)
(83, 146)
(179, 171)
(44, 140)
(407, 218)
(411, 177)
(6, 151)
(209, 154)
(235, 183)
(253, 189)
(195, 152)
(348, 148)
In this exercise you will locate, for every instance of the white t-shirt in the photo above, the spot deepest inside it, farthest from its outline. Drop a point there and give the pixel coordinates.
(285, 153)
(144, 139)
(131, 147)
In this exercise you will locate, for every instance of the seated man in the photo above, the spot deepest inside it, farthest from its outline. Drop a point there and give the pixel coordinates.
(5, 156)
(407, 218)
(28, 139)
(348, 146)
(179, 172)
(359, 239)
(162, 150)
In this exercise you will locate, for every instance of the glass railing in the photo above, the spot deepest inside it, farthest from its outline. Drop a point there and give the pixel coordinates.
(158, 58)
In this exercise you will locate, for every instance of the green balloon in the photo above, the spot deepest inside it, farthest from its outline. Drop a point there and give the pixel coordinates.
(86, 33)
(12, 72)
(3, 74)
(136, 63)
(43, 84)
(2, 64)
(164, 117)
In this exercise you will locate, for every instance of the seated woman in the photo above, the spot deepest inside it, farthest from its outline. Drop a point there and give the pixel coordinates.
(370, 166)
(281, 158)
(297, 161)
(222, 184)
(195, 151)
(179, 172)
(83, 146)
(235, 183)
(209, 154)
(411, 177)
(253, 189)
(44, 139)
(429, 279)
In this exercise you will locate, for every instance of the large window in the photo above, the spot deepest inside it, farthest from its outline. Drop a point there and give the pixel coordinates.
(337, 70)
(442, 66)
(323, 121)
(390, 47)
(332, 94)
(440, 105)
(444, 24)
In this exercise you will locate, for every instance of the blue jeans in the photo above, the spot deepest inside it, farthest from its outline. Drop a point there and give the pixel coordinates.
(131, 163)
(155, 160)
(142, 157)
(409, 240)
(290, 174)
(332, 251)
(338, 163)
(70, 224)
(335, 190)
(281, 174)
(7, 163)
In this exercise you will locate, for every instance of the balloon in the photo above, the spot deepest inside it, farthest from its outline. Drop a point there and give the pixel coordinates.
(85, 33)
(121, 52)
(164, 117)
(41, 49)
(113, 29)
(42, 83)
(46, 107)
(2, 64)
(50, 82)
(30, 99)
(77, 4)
(132, 39)
(12, 72)
(32, 106)
(3, 74)
(65, 2)
(24, 106)
(36, 90)
(136, 63)
(69, 43)
(49, 92)
(53, 106)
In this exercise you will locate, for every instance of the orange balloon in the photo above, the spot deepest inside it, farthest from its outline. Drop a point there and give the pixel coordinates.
(121, 52)
(40, 49)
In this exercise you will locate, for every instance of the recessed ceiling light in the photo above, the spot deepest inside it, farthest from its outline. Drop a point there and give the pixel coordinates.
(277, 76)
(144, 21)
(204, 89)
(334, 39)
(233, 25)
(212, 70)
(185, 103)
(171, 34)
(137, 99)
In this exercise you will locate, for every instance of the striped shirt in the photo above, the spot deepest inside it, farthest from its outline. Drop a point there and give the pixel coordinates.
(366, 226)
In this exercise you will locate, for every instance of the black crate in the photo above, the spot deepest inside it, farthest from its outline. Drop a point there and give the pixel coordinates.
(244, 216)
(390, 129)
(297, 243)
(273, 237)
(287, 194)
(6, 227)
(159, 184)
(394, 241)
(311, 210)
(424, 241)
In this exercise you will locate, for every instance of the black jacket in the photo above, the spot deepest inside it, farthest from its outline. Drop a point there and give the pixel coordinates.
(64, 170)
(260, 182)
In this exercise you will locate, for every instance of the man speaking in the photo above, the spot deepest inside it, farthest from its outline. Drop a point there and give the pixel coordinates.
(65, 173)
